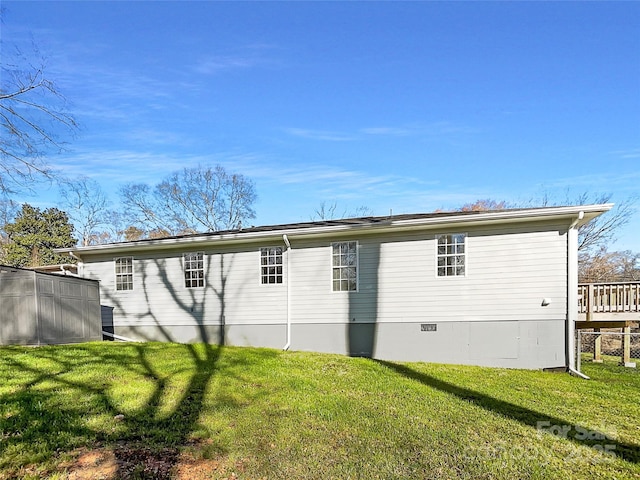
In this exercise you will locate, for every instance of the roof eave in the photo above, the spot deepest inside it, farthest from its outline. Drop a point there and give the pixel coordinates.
(568, 214)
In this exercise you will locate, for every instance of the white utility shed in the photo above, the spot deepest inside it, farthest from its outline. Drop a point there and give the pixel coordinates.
(41, 308)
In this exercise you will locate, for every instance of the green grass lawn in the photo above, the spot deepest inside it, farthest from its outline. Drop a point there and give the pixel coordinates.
(260, 413)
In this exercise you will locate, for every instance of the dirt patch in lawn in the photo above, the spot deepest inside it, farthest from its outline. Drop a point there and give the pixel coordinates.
(135, 462)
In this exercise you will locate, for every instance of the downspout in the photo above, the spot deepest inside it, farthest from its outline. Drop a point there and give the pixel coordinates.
(288, 244)
(572, 296)
(119, 337)
(80, 263)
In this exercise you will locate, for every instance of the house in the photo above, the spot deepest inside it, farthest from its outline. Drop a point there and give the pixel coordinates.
(39, 308)
(496, 288)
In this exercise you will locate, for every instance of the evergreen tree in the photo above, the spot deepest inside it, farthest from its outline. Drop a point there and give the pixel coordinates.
(34, 234)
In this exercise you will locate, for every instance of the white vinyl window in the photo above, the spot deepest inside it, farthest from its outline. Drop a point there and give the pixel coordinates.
(124, 273)
(271, 265)
(451, 255)
(345, 266)
(193, 269)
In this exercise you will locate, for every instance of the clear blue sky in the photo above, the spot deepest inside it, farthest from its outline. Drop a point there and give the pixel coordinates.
(404, 106)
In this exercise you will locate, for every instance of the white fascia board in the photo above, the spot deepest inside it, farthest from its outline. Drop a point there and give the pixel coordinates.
(454, 220)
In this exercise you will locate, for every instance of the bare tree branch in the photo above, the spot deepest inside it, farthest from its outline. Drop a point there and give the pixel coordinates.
(329, 211)
(483, 205)
(33, 115)
(139, 207)
(86, 204)
(191, 200)
(604, 266)
(602, 230)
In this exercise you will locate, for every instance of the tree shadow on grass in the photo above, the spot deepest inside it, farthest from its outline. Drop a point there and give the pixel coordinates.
(627, 451)
(53, 406)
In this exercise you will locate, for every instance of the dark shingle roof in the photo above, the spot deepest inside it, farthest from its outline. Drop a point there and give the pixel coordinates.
(325, 223)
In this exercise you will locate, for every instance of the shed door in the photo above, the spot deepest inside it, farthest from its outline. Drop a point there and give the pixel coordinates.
(50, 329)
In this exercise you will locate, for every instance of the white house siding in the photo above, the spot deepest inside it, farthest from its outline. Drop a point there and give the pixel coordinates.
(232, 296)
(491, 316)
(508, 274)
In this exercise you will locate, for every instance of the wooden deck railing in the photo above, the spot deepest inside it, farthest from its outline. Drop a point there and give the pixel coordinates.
(609, 299)
(609, 305)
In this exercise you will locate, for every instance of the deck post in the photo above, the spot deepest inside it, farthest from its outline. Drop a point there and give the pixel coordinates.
(597, 346)
(626, 348)
(590, 303)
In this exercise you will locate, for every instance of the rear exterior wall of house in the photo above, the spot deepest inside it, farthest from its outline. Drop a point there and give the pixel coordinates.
(404, 307)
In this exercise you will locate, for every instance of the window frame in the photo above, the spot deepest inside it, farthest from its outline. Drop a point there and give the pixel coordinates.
(454, 254)
(120, 274)
(356, 266)
(185, 269)
(267, 265)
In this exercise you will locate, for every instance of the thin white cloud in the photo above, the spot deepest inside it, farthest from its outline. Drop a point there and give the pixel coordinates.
(148, 136)
(218, 64)
(434, 129)
(248, 56)
(431, 130)
(120, 166)
(328, 182)
(618, 181)
(99, 90)
(627, 154)
(324, 135)
(388, 131)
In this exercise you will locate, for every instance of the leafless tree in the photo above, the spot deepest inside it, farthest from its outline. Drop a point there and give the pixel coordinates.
(599, 232)
(115, 228)
(86, 204)
(602, 230)
(361, 211)
(131, 234)
(483, 205)
(8, 211)
(33, 117)
(325, 211)
(140, 207)
(604, 266)
(330, 211)
(191, 200)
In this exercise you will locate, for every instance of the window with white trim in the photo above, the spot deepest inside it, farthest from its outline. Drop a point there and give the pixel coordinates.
(270, 265)
(193, 269)
(451, 255)
(124, 273)
(345, 266)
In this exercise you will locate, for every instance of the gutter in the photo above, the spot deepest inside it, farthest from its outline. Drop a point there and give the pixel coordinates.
(288, 244)
(572, 296)
(321, 231)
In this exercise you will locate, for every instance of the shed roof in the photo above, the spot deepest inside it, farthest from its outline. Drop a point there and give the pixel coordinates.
(40, 271)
